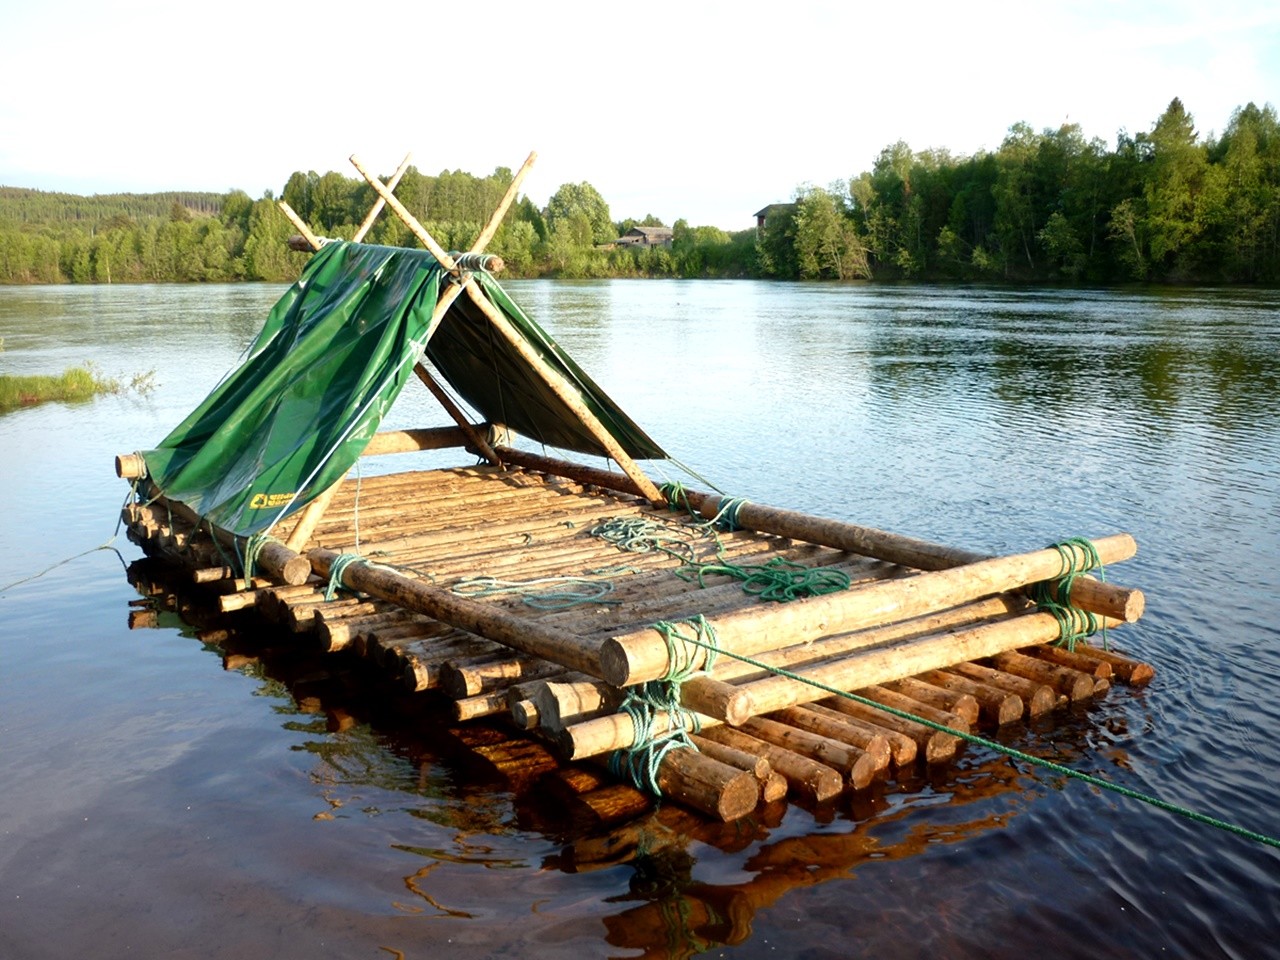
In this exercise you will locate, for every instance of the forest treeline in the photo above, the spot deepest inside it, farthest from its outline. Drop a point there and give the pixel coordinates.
(1167, 205)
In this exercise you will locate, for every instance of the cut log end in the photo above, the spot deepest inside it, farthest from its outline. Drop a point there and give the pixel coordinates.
(130, 466)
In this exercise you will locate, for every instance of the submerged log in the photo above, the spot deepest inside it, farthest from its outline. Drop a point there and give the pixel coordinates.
(1132, 672)
(994, 704)
(1039, 698)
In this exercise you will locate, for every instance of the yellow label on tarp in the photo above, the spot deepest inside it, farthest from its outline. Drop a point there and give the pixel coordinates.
(266, 501)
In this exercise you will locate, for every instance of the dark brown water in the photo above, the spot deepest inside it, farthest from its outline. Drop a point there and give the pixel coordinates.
(164, 797)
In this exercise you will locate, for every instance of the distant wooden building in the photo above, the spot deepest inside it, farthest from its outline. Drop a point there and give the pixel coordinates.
(646, 237)
(763, 213)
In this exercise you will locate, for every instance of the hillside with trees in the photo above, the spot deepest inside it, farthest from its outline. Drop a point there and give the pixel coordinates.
(1166, 206)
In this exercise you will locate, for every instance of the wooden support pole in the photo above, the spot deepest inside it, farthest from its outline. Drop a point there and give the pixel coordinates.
(378, 204)
(411, 441)
(300, 225)
(495, 220)
(565, 393)
(644, 654)
(451, 408)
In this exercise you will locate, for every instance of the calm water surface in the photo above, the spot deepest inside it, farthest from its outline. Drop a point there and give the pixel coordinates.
(160, 797)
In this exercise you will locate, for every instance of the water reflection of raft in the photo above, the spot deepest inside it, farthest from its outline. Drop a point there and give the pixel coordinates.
(674, 662)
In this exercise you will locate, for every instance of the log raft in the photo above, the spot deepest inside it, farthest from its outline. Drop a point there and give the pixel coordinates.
(948, 636)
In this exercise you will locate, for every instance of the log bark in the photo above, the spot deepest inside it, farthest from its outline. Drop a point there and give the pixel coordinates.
(1132, 672)
(525, 635)
(1039, 698)
(643, 655)
(1070, 683)
(807, 778)
(995, 705)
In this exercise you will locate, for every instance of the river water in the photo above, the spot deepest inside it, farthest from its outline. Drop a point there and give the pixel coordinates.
(160, 796)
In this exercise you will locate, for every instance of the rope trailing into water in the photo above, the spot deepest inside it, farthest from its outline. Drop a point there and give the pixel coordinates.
(640, 762)
(1010, 752)
(1079, 556)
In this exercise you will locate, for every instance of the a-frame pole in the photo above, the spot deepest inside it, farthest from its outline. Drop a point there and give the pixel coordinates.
(556, 383)
(376, 209)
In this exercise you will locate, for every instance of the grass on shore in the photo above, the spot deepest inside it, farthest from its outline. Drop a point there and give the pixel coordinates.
(75, 385)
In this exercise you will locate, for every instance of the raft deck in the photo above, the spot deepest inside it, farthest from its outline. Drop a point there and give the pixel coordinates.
(506, 590)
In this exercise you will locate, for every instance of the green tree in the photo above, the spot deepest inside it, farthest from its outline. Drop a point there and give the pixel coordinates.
(574, 200)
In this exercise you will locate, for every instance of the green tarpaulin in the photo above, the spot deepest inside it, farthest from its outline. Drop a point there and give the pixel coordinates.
(332, 358)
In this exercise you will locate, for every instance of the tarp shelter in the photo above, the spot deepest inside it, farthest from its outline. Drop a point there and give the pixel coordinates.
(330, 361)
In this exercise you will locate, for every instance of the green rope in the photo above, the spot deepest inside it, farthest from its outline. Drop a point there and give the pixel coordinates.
(643, 535)
(252, 550)
(337, 569)
(1011, 752)
(534, 593)
(640, 762)
(1053, 596)
(644, 702)
(779, 579)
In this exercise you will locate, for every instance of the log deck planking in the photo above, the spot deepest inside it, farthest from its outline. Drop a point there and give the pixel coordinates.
(953, 641)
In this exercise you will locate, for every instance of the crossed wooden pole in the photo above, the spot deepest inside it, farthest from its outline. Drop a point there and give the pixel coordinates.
(564, 391)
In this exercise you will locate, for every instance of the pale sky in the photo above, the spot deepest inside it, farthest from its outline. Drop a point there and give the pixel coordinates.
(701, 110)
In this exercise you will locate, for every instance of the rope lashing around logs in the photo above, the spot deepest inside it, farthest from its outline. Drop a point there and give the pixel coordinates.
(640, 761)
(1010, 752)
(252, 550)
(337, 569)
(1079, 556)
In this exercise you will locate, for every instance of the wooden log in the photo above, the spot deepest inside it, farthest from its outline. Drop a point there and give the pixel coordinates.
(902, 658)
(495, 219)
(857, 766)
(275, 560)
(902, 749)
(995, 705)
(934, 745)
(616, 802)
(644, 655)
(463, 679)
(807, 778)
(1101, 598)
(300, 225)
(564, 392)
(707, 785)
(773, 789)
(1039, 698)
(755, 764)
(526, 635)
(1130, 671)
(1070, 683)
(423, 661)
(835, 726)
(562, 702)
(524, 714)
(1067, 658)
(961, 705)
(923, 711)
(378, 204)
(130, 466)
(413, 441)
(476, 439)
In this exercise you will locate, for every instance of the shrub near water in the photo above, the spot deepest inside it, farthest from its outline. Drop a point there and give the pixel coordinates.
(76, 384)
